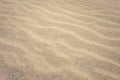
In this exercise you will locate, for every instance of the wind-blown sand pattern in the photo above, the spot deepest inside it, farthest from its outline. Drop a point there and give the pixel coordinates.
(59, 39)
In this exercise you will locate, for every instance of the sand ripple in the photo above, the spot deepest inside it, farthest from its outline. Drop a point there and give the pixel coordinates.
(59, 40)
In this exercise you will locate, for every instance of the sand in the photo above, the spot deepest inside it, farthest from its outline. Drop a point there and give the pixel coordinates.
(59, 39)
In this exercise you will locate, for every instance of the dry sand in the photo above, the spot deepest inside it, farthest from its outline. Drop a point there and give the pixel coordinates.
(59, 39)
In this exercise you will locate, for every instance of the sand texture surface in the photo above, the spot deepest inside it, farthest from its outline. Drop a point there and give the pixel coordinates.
(59, 39)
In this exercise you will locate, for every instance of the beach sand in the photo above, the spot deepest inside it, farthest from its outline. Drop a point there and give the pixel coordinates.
(59, 39)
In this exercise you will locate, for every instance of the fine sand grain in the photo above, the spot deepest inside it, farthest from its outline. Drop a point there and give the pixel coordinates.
(59, 39)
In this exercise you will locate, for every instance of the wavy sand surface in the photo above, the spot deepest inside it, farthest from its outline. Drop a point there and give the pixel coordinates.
(59, 39)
